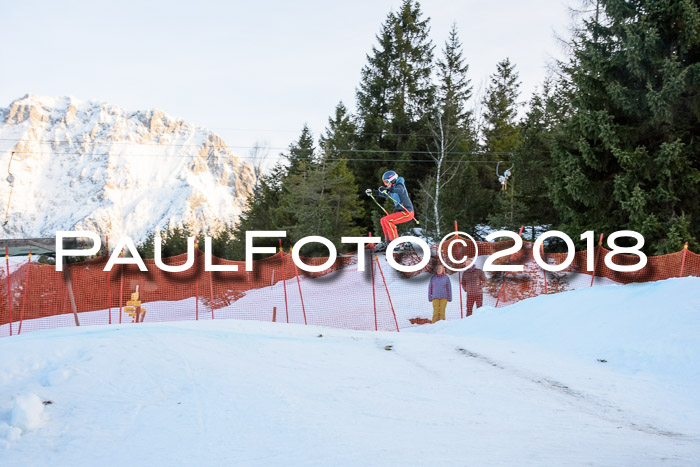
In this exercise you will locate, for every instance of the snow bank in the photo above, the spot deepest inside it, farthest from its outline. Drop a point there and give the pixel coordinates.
(521, 385)
(652, 327)
(27, 412)
(9, 433)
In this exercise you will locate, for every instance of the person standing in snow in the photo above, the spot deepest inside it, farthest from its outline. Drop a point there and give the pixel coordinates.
(439, 292)
(473, 280)
(395, 189)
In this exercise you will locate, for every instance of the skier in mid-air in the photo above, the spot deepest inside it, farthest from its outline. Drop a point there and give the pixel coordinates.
(395, 189)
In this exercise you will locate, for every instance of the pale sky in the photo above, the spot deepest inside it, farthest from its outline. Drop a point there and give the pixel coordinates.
(250, 71)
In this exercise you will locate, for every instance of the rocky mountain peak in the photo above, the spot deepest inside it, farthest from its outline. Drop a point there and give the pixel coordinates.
(91, 165)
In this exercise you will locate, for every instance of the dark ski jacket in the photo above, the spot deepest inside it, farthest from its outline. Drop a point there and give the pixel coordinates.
(473, 280)
(398, 194)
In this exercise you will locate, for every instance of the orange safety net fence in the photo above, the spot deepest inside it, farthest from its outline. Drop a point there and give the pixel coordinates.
(378, 298)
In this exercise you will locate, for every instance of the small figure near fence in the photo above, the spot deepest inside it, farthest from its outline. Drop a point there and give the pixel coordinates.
(439, 292)
(473, 280)
(133, 308)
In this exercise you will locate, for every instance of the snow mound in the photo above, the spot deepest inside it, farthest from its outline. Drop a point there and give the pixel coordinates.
(651, 327)
(27, 412)
(9, 433)
(604, 376)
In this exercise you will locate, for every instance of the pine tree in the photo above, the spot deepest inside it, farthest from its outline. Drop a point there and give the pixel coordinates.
(465, 199)
(454, 88)
(394, 99)
(258, 214)
(344, 203)
(302, 159)
(145, 248)
(312, 195)
(533, 157)
(301, 151)
(627, 158)
(527, 202)
(501, 110)
(300, 206)
(414, 92)
(339, 137)
(173, 243)
(372, 95)
(220, 243)
(396, 90)
(320, 200)
(500, 141)
(449, 124)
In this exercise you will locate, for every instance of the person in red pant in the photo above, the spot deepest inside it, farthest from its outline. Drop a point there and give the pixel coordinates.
(473, 280)
(395, 189)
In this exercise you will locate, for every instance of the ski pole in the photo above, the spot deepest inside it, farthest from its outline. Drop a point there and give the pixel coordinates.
(414, 218)
(377, 202)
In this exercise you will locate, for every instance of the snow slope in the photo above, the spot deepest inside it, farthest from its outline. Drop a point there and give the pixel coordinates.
(520, 385)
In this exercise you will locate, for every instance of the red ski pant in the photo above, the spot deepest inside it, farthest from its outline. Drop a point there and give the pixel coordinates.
(473, 298)
(389, 223)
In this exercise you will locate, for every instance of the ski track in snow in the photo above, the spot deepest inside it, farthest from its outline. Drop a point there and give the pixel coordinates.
(598, 407)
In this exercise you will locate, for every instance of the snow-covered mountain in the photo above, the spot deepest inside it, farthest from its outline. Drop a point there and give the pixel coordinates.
(88, 165)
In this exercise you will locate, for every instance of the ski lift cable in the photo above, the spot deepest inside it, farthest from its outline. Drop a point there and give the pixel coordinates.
(351, 151)
(328, 159)
(286, 148)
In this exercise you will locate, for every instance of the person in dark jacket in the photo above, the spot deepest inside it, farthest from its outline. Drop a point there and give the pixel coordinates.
(473, 281)
(395, 189)
(439, 292)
